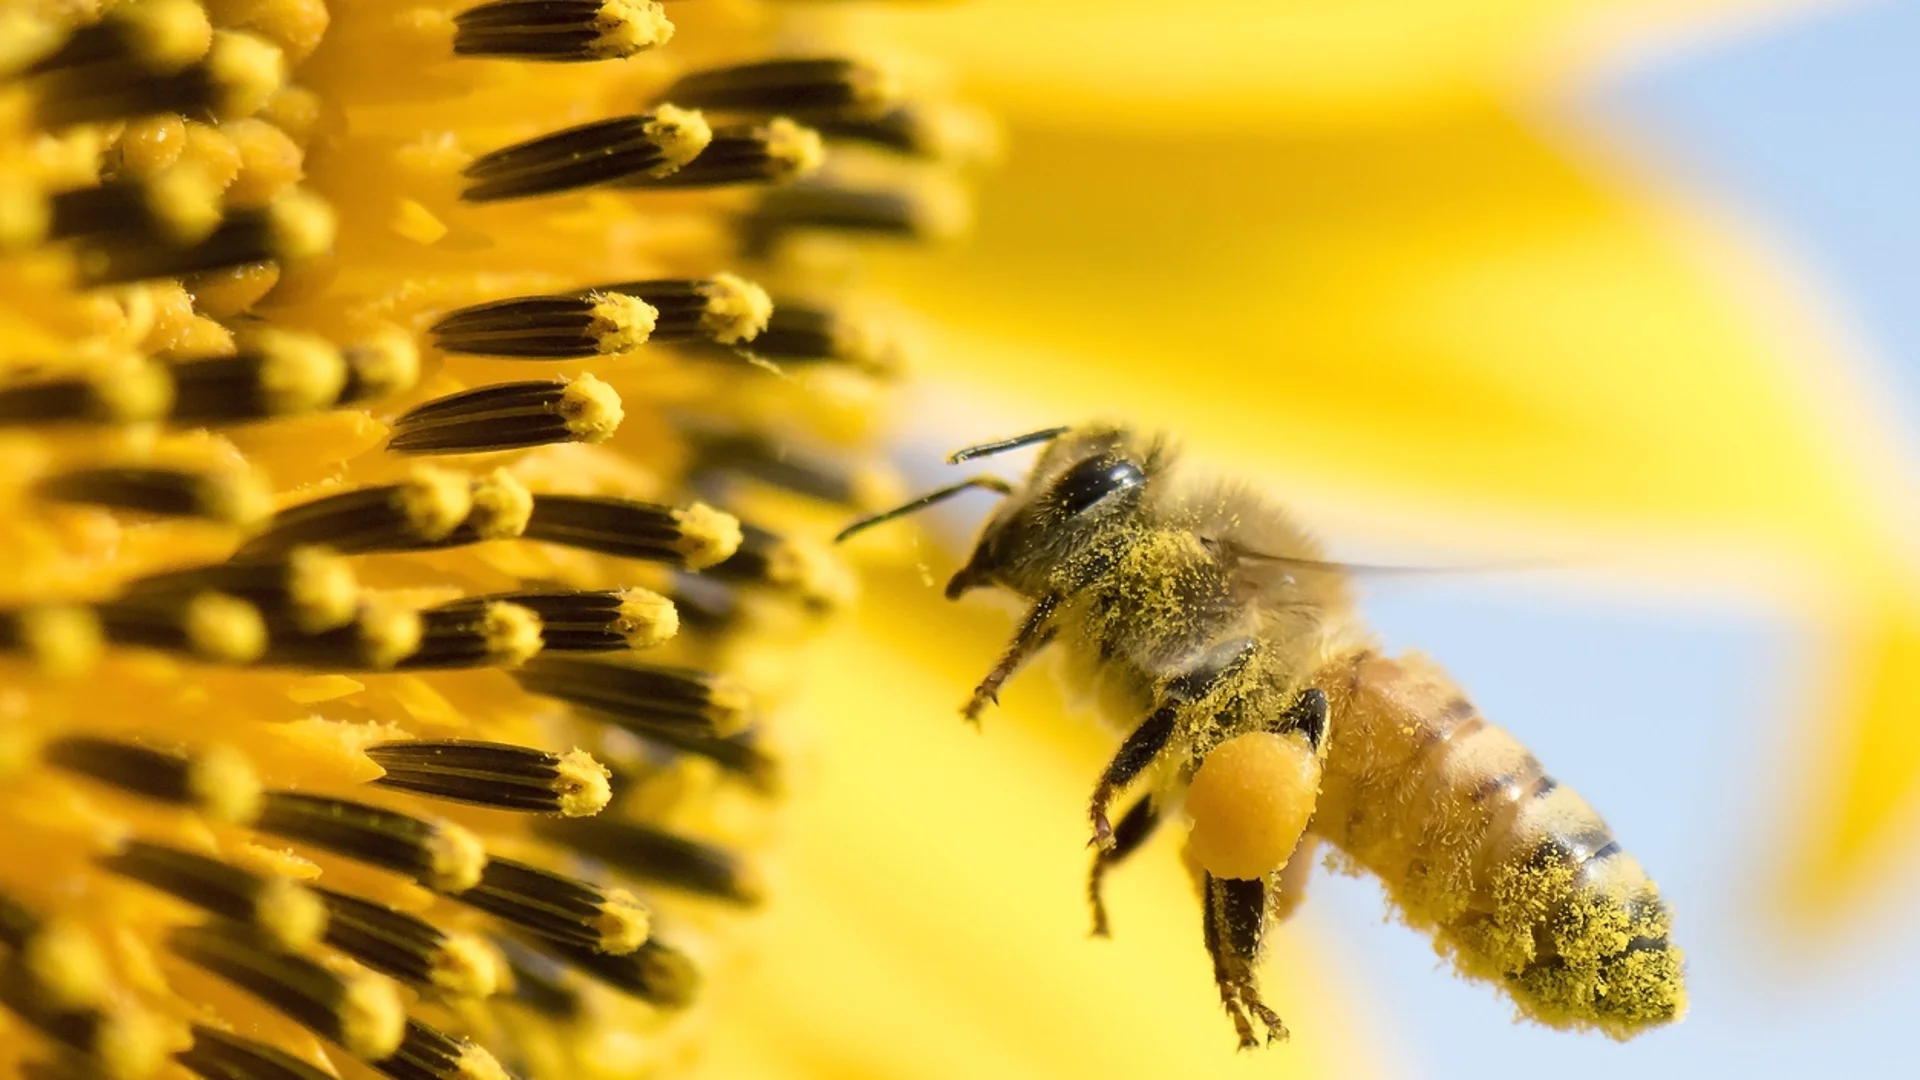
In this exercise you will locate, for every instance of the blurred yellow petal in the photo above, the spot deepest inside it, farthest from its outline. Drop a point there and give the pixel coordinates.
(1860, 827)
(1136, 63)
(1458, 313)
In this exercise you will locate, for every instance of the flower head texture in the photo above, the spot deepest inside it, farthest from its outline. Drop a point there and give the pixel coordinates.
(417, 424)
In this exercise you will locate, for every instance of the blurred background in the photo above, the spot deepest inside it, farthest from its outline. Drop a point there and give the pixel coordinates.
(1619, 295)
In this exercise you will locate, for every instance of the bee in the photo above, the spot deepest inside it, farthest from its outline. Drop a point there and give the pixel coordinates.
(1197, 615)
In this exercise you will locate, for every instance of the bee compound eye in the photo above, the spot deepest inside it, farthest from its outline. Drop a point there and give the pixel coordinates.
(1092, 480)
(1250, 802)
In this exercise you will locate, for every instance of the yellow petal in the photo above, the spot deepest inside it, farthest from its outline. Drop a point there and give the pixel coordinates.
(1459, 313)
(1139, 65)
(1855, 821)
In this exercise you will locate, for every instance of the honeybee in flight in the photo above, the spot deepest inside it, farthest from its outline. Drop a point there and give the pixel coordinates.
(1207, 624)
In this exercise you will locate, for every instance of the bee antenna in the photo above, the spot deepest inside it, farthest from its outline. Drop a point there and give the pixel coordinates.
(990, 483)
(1001, 446)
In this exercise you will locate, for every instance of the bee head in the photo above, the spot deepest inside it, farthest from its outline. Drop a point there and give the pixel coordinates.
(1086, 482)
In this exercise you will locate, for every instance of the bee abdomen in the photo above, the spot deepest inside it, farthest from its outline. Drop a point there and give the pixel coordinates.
(1517, 877)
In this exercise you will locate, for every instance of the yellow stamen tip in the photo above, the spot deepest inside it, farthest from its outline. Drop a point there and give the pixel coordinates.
(323, 589)
(66, 965)
(475, 1063)
(456, 859)
(385, 362)
(794, 149)
(582, 784)
(186, 202)
(626, 27)
(131, 1044)
(372, 1019)
(502, 506)
(302, 373)
(24, 213)
(647, 619)
(707, 536)
(290, 913)
(465, 967)
(388, 634)
(737, 309)
(591, 409)
(167, 34)
(623, 924)
(248, 70)
(63, 641)
(302, 225)
(681, 134)
(435, 501)
(512, 633)
(135, 391)
(225, 628)
(620, 323)
(242, 499)
(225, 785)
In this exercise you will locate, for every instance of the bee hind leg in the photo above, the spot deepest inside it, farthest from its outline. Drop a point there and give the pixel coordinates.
(1136, 826)
(1236, 919)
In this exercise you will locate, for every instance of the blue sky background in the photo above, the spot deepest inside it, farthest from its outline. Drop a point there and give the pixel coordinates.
(1677, 719)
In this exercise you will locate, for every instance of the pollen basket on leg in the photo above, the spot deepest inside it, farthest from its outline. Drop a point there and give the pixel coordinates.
(324, 610)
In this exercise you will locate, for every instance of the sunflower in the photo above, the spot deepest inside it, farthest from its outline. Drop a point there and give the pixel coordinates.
(379, 378)
(415, 421)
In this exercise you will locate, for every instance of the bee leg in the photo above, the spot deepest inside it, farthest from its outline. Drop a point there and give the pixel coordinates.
(1033, 635)
(1139, 749)
(1236, 919)
(1307, 715)
(1136, 826)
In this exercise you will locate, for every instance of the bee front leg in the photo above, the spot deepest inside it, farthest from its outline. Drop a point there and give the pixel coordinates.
(1139, 750)
(1236, 920)
(1033, 635)
(1136, 826)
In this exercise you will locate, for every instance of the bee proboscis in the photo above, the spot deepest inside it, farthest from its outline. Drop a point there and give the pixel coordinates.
(1206, 624)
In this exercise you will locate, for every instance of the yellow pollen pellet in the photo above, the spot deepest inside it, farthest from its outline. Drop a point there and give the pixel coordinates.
(1250, 801)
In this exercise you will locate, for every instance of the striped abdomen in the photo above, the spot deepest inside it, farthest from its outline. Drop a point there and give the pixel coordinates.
(1515, 875)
